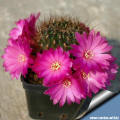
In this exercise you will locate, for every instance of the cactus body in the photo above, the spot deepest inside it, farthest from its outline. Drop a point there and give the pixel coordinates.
(58, 32)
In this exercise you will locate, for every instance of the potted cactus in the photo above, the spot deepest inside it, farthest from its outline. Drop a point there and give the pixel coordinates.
(62, 63)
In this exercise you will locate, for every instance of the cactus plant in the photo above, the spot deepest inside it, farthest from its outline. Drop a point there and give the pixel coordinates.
(66, 60)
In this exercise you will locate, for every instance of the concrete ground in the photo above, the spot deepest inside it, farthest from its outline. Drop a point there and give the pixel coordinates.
(103, 15)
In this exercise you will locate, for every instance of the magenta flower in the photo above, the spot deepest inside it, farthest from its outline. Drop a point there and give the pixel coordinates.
(16, 32)
(52, 65)
(112, 72)
(92, 51)
(67, 89)
(92, 82)
(25, 28)
(16, 59)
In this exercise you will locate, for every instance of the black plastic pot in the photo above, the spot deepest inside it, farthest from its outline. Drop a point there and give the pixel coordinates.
(41, 107)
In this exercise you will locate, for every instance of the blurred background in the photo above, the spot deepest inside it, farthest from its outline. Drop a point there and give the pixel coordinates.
(102, 15)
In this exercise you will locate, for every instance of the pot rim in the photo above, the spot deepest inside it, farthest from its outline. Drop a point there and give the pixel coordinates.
(28, 86)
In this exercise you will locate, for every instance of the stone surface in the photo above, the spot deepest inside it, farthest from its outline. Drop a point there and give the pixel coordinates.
(102, 15)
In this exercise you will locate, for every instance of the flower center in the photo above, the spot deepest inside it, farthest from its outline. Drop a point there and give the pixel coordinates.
(84, 75)
(88, 54)
(66, 83)
(55, 66)
(21, 58)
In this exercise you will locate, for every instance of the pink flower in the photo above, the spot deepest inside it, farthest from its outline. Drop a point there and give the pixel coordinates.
(25, 28)
(67, 89)
(16, 59)
(16, 32)
(92, 81)
(112, 72)
(52, 65)
(92, 51)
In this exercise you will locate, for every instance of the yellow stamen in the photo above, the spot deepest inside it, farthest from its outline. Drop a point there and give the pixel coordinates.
(88, 54)
(84, 75)
(66, 83)
(55, 66)
(21, 58)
